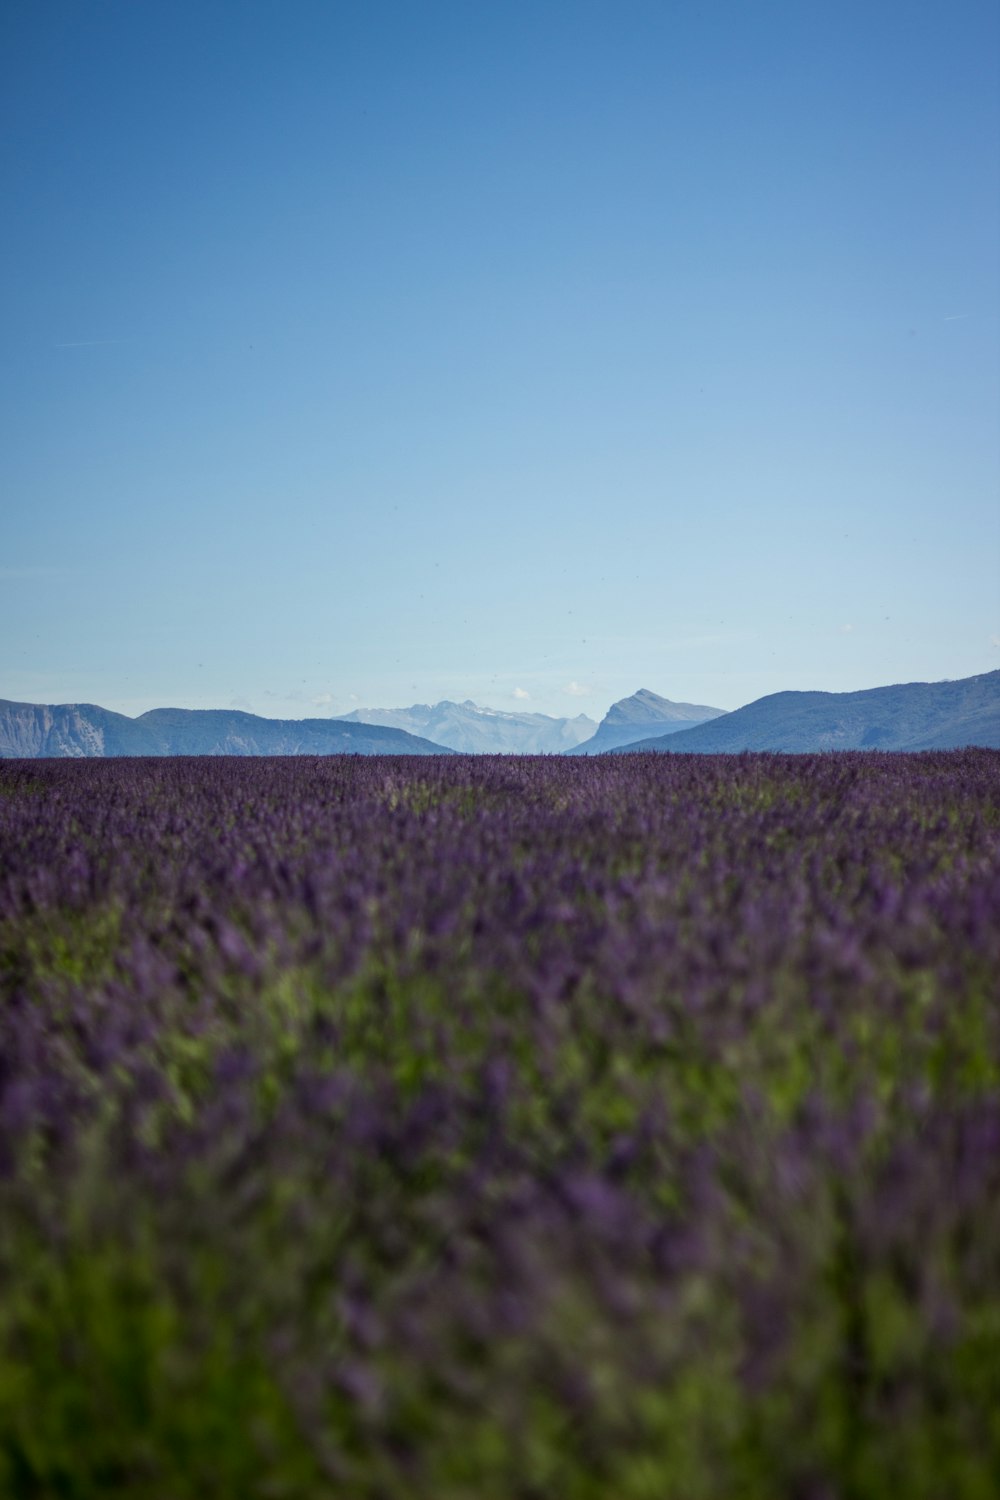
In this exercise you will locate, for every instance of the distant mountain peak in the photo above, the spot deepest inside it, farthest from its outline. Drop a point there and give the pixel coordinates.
(640, 716)
(646, 707)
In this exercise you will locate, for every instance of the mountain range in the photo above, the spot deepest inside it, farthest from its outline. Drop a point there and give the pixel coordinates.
(906, 716)
(474, 730)
(36, 730)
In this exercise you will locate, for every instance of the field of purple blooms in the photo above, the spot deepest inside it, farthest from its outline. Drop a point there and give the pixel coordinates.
(501, 1129)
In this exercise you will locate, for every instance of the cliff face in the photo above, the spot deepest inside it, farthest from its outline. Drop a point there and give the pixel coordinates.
(26, 729)
(81, 730)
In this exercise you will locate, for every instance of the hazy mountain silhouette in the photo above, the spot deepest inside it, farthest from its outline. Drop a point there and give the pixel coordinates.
(475, 730)
(905, 716)
(641, 716)
(35, 730)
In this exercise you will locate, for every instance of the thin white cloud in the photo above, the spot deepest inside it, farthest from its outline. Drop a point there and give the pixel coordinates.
(520, 693)
(576, 689)
(995, 640)
(90, 343)
(846, 629)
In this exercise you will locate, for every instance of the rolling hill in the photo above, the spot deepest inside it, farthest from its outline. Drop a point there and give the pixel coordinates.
(905, 716)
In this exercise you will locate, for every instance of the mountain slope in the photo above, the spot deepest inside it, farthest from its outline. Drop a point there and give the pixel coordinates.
(475, 730)
(69, 729)
(641, 716)
(36, 730)
(905, 716)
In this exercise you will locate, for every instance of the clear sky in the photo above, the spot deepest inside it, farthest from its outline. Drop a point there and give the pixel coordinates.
(385, 352)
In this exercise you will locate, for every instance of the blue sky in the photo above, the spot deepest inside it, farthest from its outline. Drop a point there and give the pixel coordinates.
(530, 352)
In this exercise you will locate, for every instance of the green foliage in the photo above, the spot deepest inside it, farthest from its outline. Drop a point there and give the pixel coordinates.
(499, 1131)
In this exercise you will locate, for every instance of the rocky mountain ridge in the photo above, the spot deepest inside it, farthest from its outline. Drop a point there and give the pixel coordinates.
(474, 730)
(85, 730)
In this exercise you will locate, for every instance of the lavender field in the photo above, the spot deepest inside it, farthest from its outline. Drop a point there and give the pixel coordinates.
(501, 1129)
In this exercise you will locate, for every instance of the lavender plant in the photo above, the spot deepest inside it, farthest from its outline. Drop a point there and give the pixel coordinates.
(390, 1128)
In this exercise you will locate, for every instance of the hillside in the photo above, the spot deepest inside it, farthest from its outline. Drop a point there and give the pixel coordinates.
(905, 716)
(85, 730)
